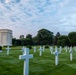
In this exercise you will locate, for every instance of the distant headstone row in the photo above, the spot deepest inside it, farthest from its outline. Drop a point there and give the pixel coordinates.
(26, 56)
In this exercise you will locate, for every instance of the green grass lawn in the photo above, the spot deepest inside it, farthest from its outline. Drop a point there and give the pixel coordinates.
(39, 65)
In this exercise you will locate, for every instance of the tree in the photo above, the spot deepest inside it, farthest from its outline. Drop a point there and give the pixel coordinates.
(72, 37)
(18, 42)
(59, 43)
(29, 39)
(56, 38)
(63, 37)
(64, 40)
(58, 34)
(23, 42)
(45, 37)
(13, 41)
(35, 40)
(29, 36)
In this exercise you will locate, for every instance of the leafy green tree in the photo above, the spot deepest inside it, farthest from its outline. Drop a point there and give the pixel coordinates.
(72, 37)
(63, 37)
(64, 40)
(29, 36)
(15, 44)
(35, 40)
(56, 38)
(58, 34)
(23, 42)
(45, 37)
(29, 39)
(13, 41)
(59, 43)
(18, 42)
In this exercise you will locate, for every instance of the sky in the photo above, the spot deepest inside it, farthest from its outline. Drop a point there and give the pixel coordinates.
(29, 16)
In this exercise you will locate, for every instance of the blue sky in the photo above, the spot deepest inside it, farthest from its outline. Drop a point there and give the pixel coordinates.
(28, 16)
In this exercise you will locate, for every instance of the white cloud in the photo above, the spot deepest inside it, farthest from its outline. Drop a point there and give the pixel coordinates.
(28, 16)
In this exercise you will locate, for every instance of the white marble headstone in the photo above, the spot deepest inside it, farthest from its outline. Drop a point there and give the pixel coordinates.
(60, 49)
(41, 49)
(56, 56)
(8, 50)
(71, 51)
(34, 49)
(26, 56)
(23, 49)
(66, 49)
(51, 49)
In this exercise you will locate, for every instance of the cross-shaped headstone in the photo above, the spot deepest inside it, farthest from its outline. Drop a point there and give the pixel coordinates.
(51, 49)
(71, 51)
(8, 50)
(34, 49)
(26, 56)
(41, 49)
(56, 56)
(66, 49)
(23, 48)
(60, 49)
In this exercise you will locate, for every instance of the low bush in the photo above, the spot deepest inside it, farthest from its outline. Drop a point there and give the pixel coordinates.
(28, 46)
(46, 46)
(0, 47)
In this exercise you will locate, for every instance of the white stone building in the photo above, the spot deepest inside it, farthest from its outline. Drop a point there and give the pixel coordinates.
(5, 37)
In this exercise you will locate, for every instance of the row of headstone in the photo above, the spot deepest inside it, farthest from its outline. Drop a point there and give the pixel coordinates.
(60, 49)
(52, 49)
(7, 50)
(26, 56)
(41, 49)
(56, 55)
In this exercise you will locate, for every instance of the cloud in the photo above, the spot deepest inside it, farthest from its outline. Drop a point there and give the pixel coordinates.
(10, 1)
(28, 16)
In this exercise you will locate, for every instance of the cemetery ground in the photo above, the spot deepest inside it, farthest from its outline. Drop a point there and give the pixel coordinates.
(38, 65)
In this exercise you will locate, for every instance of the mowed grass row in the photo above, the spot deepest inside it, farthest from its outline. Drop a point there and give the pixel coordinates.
(39, 65)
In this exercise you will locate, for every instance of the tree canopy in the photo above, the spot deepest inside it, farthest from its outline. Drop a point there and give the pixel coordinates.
(72, 37)
(45, 36)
